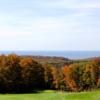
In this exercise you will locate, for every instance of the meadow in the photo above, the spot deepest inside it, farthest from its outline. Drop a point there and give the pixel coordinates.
(53, 95)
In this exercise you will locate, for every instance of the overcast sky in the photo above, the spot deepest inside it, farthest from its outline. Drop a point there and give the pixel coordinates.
(49, 24)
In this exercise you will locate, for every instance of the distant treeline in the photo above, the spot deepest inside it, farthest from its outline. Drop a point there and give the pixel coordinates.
(24, 74)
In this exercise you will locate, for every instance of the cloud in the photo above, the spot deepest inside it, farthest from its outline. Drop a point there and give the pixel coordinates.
(72, 4)
(50, 24)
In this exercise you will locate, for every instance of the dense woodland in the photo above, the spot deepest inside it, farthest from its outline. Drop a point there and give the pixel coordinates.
(24, 74)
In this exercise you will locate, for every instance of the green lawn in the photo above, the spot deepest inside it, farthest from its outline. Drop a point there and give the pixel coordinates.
(52, 95)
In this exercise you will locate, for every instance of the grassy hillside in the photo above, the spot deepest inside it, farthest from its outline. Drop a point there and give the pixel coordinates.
(52, 95)
(56, 61)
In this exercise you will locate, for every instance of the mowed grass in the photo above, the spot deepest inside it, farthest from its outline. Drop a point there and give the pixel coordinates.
(53, 95)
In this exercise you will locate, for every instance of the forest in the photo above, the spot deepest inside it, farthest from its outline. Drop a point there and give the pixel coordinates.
(19, 74)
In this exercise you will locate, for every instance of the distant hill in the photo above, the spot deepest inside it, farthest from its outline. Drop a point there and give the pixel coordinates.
(57, 61)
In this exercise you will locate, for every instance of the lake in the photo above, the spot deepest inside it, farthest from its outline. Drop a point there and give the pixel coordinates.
(67, 54)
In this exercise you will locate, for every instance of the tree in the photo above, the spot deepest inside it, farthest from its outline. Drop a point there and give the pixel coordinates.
(69, 79)
(32, 74)
(9, 73)
(98, 83)
(89, 77)
(48, 76)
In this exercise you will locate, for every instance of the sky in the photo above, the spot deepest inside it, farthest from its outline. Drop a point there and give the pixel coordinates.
(50, 25)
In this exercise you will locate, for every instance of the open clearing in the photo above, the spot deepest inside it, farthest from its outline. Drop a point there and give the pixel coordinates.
(52, 95)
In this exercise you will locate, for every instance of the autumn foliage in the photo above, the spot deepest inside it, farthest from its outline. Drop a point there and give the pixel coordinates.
(23, 74)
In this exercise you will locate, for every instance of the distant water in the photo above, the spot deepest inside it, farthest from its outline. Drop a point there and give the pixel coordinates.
(67, 54)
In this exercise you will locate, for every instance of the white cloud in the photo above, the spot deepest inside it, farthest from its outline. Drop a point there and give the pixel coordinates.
(35, 29)
(73, 4)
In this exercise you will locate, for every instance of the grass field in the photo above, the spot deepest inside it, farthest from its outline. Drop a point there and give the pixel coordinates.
(52, 95)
